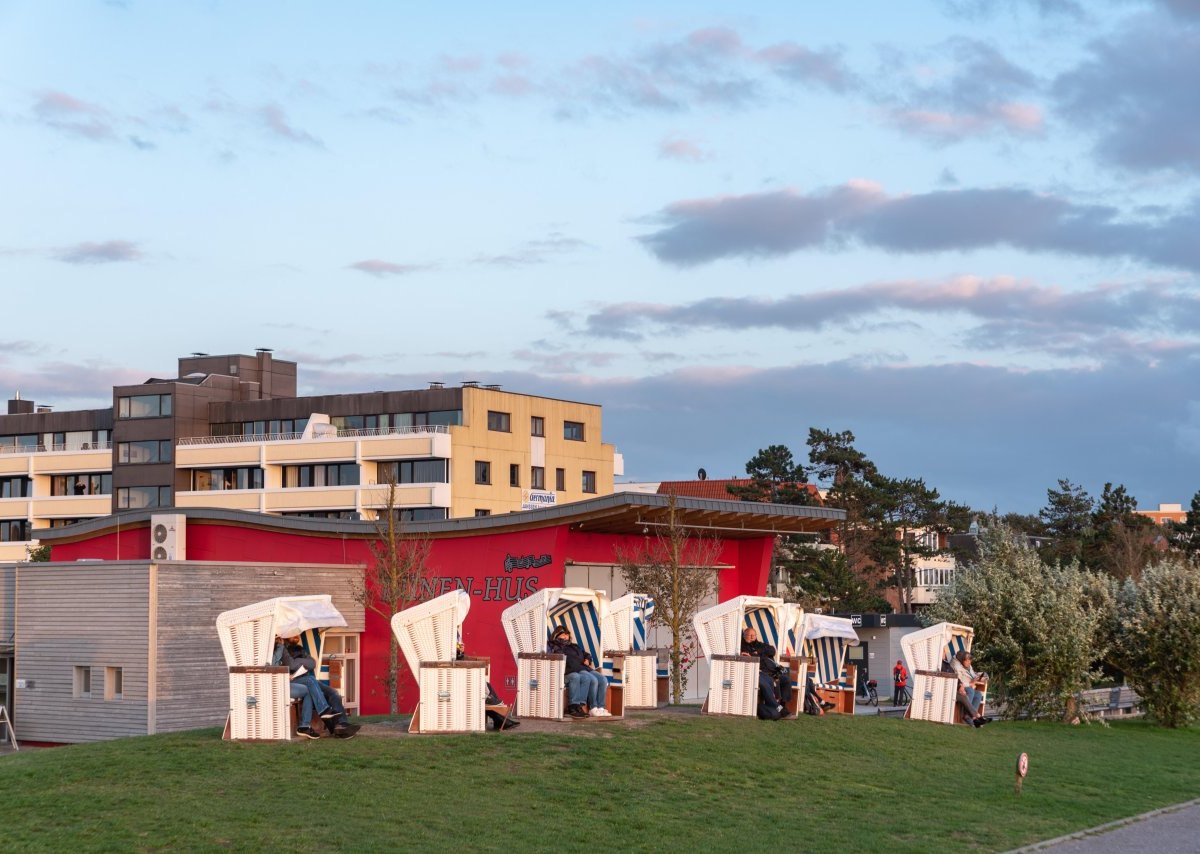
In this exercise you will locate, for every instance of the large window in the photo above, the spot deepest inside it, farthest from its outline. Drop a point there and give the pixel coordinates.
(440, 417)
(77, 440)
(135, 497)
(483, 471)
(24, 441)
(329, 474)
(537, 426)
(500, 422)
(16, 487)
(414, 471)
(81, 484)
(573, 430)
(144, 406)
(242, 477)
(14, 530)
(589, 481)
(537, 477)
(343, 515)
(146, 451)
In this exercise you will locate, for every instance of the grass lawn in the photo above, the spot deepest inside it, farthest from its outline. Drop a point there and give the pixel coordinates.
(678, 782)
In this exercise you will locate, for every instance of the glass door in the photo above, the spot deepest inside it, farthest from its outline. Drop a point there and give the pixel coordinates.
(342, 650)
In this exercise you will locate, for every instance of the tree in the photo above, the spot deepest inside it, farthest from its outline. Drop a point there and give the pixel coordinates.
(1122, 541)
(676, 567)
(1184, 536)
(775, 477)
(1068, 519)
(392, 581)
(1038, 627)
(911, 519)
(37, 554)
(1156, 640)
(819, 578)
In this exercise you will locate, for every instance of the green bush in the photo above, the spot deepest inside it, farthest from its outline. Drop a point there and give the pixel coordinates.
(1156, 640)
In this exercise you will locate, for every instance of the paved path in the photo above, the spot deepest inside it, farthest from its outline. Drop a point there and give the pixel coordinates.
(1171, 830)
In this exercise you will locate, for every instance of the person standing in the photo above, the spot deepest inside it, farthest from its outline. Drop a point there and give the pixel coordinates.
(899, 681)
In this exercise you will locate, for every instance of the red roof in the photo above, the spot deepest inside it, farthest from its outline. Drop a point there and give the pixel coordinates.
(717, 489)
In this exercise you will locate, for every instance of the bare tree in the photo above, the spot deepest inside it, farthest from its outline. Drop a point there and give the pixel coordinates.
(677, 567)
(392, 581)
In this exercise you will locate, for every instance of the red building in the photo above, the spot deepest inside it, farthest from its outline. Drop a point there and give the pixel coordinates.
(497, 559)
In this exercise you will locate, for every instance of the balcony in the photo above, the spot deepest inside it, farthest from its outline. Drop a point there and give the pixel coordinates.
(296, 448)
(934, 575)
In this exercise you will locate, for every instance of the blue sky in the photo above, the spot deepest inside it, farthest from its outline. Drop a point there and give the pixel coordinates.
(964, 230)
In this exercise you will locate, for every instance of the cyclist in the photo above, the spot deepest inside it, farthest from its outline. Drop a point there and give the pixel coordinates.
(900, 681)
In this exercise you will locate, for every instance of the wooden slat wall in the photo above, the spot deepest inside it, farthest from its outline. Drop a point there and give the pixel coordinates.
(102, 615)
(8, 603)
(80, 615)
(193, 683)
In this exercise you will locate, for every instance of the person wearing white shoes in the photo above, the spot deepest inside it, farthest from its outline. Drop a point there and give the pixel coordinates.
(585, 684)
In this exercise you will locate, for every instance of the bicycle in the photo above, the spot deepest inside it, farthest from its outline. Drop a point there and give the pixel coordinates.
(872, 692)
(905, 697)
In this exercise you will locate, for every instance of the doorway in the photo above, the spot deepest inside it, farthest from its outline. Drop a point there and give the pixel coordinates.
(858, 656)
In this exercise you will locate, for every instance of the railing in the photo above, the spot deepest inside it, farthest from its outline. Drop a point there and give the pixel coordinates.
(73, 447)
(935, 576)
(292, 437)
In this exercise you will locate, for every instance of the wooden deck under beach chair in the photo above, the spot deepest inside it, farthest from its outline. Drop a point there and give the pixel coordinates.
(733, 677)
(935, 691)
(826, 640)
(541, 675)
(259, 693)
(453, 691)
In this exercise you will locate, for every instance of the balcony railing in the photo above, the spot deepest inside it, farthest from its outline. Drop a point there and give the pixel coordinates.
(292, 437)
(69, 447)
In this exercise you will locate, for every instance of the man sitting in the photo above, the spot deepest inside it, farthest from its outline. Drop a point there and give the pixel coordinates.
(968, 696)
(774, 685)
(585, 685)
(312, 693)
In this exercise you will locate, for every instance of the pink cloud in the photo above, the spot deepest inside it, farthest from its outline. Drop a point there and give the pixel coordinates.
(678, 148)
(70, 114)
(378, 268)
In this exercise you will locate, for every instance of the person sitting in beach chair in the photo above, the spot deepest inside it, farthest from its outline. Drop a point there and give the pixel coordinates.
(969, 683)
(586, 686)
(774, 686)
(313, 694)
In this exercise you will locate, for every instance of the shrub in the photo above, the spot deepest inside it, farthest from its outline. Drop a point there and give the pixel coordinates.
(1156, 640)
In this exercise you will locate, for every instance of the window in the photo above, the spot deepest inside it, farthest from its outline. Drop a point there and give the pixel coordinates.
(27, 442)
(81, 686)
(16, 487)
(514, 475)
(537, 426)
(147, 451)
(342, 515)
(537, 477)
(483, 471)
(560, 479)
(413, 471)
(329, 474)
(589, 481)
(573, 430)
(134, 497)
(483, 512)
(423, 514)
(242, 477)
(499, 422)
(81, 484)
(14, 530)
(144, 406)
(114, 683)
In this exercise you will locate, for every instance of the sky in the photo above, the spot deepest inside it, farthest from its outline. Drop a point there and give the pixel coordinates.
(966, 231)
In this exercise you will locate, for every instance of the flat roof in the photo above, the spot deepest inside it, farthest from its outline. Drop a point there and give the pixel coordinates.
(618, 513)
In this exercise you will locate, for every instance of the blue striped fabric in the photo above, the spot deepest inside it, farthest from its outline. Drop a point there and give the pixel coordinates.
(957, 642)
(828, 655)
(582, 620)
(643, 610)
(311, 641)
(762, 620)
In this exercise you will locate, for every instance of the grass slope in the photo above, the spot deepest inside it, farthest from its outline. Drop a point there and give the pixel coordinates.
(673, 783)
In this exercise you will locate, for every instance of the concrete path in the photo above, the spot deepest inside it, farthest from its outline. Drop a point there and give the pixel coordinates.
(1171, 830)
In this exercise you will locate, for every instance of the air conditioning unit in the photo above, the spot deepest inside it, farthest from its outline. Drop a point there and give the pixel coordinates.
(168, 536)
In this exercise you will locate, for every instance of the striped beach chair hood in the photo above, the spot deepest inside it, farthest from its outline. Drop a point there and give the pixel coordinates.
(719, 628)
(825, 640)
(628, 625)
(431, 631)
(528, 623)
(928, 648)
(248, 633)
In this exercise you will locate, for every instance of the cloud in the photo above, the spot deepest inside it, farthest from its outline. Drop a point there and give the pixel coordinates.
(1107, 321)
(379, 269)
(534, 251)
(1137, 93)
(780, 222)
(800, 64)
(983, 94)
(273, 119)
(678, 148)
(73, 116)
(109, 251)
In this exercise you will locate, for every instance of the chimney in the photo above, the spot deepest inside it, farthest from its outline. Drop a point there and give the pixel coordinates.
(16, 406)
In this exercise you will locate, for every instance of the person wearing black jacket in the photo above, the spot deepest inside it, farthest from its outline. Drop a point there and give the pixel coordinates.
(774, 684)
(585, 684)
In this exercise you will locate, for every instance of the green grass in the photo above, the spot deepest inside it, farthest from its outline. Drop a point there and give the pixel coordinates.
(676, 783)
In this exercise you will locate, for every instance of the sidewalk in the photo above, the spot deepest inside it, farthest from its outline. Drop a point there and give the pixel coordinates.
(1170, 830)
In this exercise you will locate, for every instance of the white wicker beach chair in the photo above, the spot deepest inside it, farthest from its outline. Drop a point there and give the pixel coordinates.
(627, 660)
(453, 692)
(934, 691)
(259, 694)
(826, 640)
(733, 677)
(541, 676)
